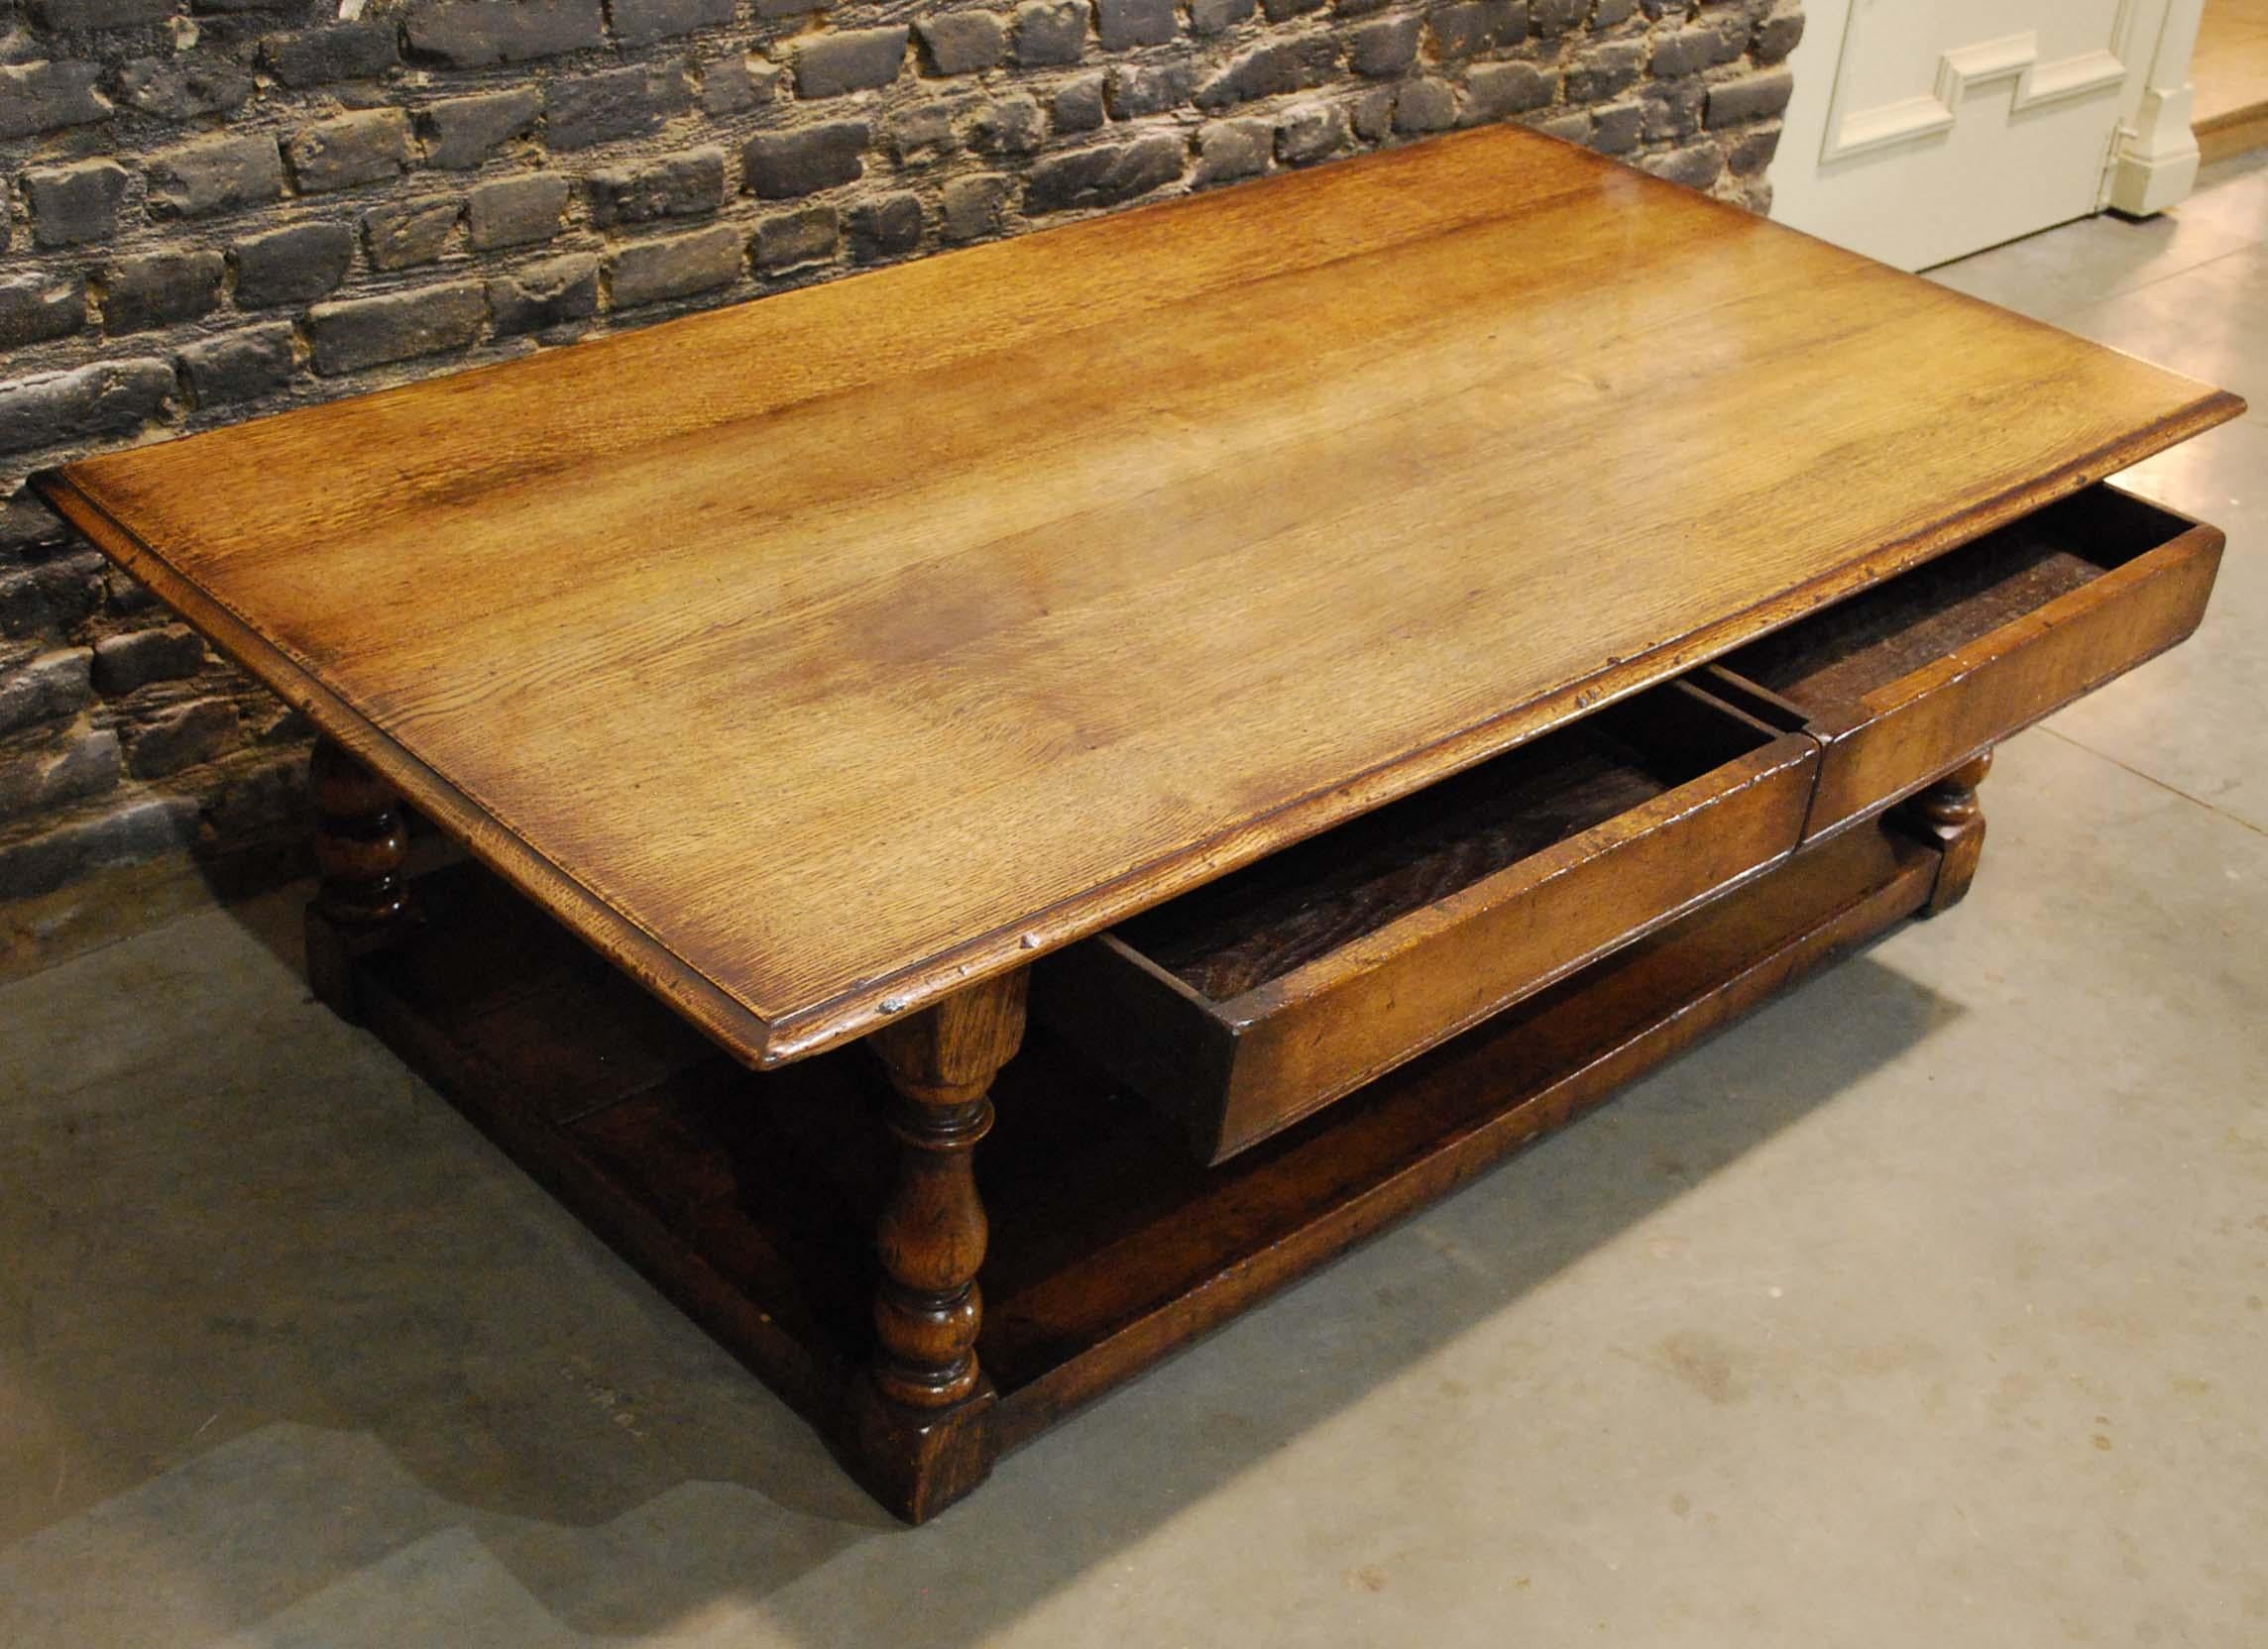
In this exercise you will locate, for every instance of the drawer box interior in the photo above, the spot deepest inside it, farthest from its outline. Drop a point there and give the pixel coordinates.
(1909, 678)
(1246, 1004)
(1300, 906)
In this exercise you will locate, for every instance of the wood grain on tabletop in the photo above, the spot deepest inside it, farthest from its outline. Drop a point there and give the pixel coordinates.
(816, 656)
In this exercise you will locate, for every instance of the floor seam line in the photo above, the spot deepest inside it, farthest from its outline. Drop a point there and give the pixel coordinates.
(2116, 294)
(2153, 779)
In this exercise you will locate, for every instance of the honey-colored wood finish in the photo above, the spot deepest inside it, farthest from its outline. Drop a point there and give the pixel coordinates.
(1911, 680)
(1948, 814)
(817, 658)
(920, 1432)
(1405, 946)
(750, 1199)
(362, 854)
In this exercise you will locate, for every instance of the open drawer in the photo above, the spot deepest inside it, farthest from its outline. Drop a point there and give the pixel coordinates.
(1243, 1006)
(1910, 679)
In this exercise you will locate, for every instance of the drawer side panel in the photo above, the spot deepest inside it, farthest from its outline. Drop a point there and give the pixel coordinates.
(1306, 1041)
(1907, 732)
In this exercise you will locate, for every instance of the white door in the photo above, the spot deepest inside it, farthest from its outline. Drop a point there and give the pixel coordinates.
(1924, 130)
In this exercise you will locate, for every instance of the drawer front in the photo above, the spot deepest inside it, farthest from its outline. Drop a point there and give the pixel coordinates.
(2127, 582)
(1237, 1069)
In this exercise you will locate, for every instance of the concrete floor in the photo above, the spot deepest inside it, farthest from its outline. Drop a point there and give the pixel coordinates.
(1930, 1307)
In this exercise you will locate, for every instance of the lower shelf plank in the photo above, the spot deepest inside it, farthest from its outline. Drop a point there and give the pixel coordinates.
(749, 1198)
(1200, 1245)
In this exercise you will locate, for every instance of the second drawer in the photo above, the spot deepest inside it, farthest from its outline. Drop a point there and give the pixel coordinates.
(1247, 1004)
(1911, 678)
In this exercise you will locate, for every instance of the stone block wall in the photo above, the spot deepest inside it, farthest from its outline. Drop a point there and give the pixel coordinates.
(211, 209)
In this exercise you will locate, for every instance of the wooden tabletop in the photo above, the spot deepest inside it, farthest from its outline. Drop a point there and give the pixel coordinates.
(818, 656)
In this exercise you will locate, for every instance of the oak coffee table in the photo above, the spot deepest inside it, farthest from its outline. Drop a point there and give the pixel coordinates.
(1365, 662)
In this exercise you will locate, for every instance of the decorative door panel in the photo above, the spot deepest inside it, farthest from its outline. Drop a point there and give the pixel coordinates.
(1923, 130)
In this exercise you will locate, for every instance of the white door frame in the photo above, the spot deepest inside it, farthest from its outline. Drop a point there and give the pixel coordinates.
(1886, 177)
(2157, 160)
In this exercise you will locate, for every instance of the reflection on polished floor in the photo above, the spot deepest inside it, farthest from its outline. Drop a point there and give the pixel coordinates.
(1931, 1306)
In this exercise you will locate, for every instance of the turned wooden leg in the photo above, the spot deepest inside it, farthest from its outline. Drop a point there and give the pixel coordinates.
(1948, 814)
(362, 844)
(920, 1431)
